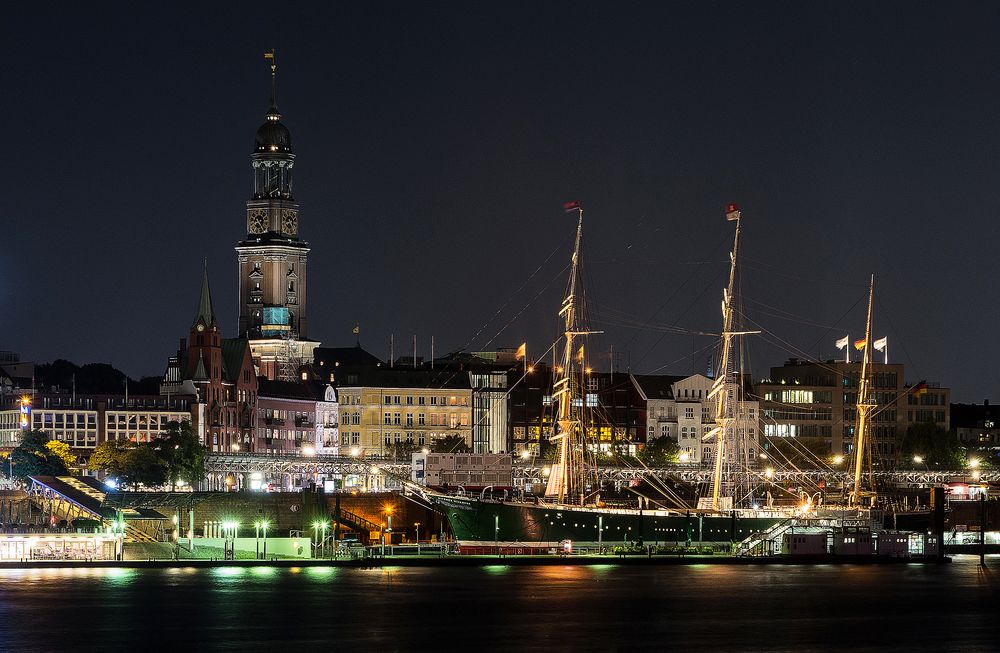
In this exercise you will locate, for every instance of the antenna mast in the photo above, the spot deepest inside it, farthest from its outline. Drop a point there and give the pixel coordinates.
(865, 403)
(567, 476)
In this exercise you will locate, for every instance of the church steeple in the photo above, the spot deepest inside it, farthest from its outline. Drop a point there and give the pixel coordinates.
(273, 258)
(205, 314)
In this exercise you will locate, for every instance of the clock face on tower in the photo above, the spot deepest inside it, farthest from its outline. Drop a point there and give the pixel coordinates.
(256, 221)
(289, 222)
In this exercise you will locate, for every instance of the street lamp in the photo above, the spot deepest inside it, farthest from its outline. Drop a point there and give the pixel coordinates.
(388, 530)
(263, 529)
(837, 460)
(973, 463)
(417, 526)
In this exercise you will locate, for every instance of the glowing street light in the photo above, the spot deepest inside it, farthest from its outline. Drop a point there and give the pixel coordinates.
(837, 460)
(918, 459)
(309, 450)
(769, 472)
(973, 463)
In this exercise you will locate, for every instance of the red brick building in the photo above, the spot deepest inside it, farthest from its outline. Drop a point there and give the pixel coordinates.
(220, 373)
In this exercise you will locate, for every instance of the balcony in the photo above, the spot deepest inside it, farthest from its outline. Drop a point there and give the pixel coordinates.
(304, 422)
(274, 421)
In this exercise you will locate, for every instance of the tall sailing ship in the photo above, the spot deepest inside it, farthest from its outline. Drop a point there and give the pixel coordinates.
(571, 509)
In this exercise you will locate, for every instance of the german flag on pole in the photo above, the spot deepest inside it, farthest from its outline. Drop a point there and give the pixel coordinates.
(573, 205)
(920, 389)
(860, 344)
(732, 212)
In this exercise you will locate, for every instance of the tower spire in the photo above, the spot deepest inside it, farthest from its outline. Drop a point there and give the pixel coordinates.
(206, 314)
(272, 111)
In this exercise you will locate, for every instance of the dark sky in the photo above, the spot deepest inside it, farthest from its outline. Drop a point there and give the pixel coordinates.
(436, 142)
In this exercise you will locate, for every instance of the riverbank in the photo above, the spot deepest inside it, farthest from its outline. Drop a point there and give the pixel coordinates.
(478, 561)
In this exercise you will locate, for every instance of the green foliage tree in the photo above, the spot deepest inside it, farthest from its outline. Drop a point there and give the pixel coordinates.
(142, 466)
(658, 452)
(129, 463)
(62, 451)
(450, 444)
(936, 446)
(181, 453)
(401, 450)
(109, 457)
(32, 457)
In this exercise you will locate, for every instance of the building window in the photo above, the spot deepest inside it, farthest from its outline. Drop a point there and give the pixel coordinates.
(420, 419)
(689, 412)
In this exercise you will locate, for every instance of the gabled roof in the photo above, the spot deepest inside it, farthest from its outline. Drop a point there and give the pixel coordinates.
(233, 350)
(657, 386)
(199, 372)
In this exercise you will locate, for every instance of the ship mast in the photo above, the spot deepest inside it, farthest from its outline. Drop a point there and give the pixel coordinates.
(567, 475)
(865, 403)
(723, 389)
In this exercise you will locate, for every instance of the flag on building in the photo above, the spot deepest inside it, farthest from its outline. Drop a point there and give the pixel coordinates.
(881, 343)
(920, 389)
(843, 342)
(522, 351)
(573, 205)
(579, 354)
(732, 212)
(860, 344)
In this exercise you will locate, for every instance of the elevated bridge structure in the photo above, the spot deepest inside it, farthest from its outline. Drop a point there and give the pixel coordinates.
(236, 471)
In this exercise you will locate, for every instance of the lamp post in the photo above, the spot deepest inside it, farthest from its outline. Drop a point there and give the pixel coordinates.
(256, 537)
(417, 526)
(263, 529)
(496, 534)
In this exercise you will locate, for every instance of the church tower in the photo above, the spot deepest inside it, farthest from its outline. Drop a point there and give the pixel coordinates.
(272, 258)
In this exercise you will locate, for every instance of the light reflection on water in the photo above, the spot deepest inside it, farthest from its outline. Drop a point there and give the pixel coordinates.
(697, 607)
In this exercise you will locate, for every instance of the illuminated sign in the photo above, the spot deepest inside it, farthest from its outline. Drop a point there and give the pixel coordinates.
(25, 413)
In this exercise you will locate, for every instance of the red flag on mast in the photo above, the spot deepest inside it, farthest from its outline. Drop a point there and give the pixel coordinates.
(573, 205)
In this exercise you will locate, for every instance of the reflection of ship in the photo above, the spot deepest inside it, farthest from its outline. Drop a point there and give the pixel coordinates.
(572, 508)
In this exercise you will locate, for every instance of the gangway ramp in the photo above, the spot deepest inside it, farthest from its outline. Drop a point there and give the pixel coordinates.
(75, 497)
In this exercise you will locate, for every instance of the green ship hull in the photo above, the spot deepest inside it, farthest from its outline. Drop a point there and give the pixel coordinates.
(487, 521)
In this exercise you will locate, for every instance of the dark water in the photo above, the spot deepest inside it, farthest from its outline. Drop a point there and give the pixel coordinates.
(694, 608)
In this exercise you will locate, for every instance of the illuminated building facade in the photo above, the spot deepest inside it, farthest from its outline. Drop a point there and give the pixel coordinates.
(817, 400)
(85, 421)
(677, 407)
(286, 418)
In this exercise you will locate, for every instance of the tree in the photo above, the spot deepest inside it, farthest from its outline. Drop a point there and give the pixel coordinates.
(401, 450)
(182, 455)
(450, 444)
(109, 457)
(934, 445)
(129, 463)
(659, 452)
(32, 457)
(62, 451)
(142, 466)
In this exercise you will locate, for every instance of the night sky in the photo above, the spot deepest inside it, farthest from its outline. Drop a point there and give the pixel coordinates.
(435, 145)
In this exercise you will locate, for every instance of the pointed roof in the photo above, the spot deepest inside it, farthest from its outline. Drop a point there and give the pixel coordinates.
(205, 314)
(199, 373)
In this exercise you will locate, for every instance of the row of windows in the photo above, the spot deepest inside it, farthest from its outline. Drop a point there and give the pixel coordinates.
(453, 400)
(452, 420)
(283, 434)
